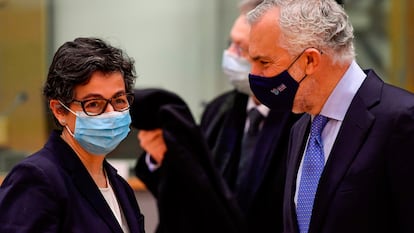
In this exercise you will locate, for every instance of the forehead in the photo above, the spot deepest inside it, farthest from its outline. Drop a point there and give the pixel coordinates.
(101, 84)
(264, 35)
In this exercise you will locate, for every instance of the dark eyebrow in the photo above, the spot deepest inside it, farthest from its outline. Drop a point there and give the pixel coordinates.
(255, 58)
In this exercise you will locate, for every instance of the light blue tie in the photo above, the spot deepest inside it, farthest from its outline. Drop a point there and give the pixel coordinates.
(312, 168)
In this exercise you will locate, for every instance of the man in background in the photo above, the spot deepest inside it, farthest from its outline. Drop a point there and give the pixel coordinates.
(248, 141)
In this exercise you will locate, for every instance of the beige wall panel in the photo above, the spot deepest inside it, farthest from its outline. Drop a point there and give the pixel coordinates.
(22, 71)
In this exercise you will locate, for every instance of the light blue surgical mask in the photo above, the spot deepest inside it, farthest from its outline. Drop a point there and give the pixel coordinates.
(99, 135)
(237, 71)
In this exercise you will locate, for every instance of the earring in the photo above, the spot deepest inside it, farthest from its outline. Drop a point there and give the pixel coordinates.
(63, 122)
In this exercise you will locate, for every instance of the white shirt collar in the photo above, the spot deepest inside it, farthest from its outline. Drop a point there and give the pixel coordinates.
(340, 99)
(261, 108)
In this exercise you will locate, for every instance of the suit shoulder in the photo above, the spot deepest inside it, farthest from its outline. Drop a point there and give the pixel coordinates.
(39, 164)
(396, 97)
(391, 89)
(214, 106)
(220, 99)
(377, 94)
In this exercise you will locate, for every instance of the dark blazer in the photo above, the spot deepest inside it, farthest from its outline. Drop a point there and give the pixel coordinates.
(51, 191)
(191, 195)
(367, 183)
(223, 123)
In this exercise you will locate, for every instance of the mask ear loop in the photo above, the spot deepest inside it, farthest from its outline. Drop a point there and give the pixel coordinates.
(298, 58)
(70, 110)
(303, 78)
(69, 131)
(291, 64)
(67, 108)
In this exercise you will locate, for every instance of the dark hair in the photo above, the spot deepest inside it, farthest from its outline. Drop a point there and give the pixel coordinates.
(75, 61)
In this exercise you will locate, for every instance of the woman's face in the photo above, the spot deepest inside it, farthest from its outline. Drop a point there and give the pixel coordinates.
(100, 85)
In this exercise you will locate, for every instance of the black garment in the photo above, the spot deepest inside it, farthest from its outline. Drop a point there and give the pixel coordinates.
(191, 195)
(223, 124)
(248, 146)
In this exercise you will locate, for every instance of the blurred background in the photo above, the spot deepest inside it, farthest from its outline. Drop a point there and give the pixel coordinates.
(177, 45)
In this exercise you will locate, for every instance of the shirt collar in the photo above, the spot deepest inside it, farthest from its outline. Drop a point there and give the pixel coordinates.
(340, 99)
(261, 108)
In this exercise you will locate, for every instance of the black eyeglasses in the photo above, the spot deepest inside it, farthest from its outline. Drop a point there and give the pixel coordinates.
(97, 106)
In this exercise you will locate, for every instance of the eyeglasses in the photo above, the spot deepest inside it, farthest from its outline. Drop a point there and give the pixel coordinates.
(237, 49)
(97, 106)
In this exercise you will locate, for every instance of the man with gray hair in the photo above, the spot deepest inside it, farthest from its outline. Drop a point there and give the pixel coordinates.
(350, 157)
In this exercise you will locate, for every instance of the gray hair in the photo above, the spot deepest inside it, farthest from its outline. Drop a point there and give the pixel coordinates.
(321, 24)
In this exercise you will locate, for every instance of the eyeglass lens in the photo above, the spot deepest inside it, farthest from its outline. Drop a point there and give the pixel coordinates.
(97, 106)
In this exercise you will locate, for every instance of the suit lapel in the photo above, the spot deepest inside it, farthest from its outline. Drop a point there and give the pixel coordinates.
(267, 147)
(296, 148)
(351, 136)
(230, 137)
(127, 202)
(87, 187)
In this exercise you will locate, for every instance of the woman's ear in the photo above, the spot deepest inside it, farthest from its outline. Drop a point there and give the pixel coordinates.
(58, 111)
(313, 59)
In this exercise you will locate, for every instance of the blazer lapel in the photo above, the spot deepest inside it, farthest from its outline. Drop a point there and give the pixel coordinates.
(267, 147)
(89, 190)
(296, 147)
(351, 136)
(230, 137)
(127, 201)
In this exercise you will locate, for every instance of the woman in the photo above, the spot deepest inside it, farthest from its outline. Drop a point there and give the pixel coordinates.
(68, 186)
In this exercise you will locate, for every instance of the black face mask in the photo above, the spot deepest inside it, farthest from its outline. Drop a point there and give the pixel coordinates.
(277, 92)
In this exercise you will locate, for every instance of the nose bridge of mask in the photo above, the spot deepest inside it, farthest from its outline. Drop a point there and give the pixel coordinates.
(235, 63)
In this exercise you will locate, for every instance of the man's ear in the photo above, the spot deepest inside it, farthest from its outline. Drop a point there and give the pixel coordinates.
(313, 59)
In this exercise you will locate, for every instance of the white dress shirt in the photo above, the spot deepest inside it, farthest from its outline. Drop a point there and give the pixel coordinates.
(335, 109)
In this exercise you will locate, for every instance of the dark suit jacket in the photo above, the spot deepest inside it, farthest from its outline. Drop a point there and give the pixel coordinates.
(191, 195)
(223, 124)
(51, 191)
(367, 183)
